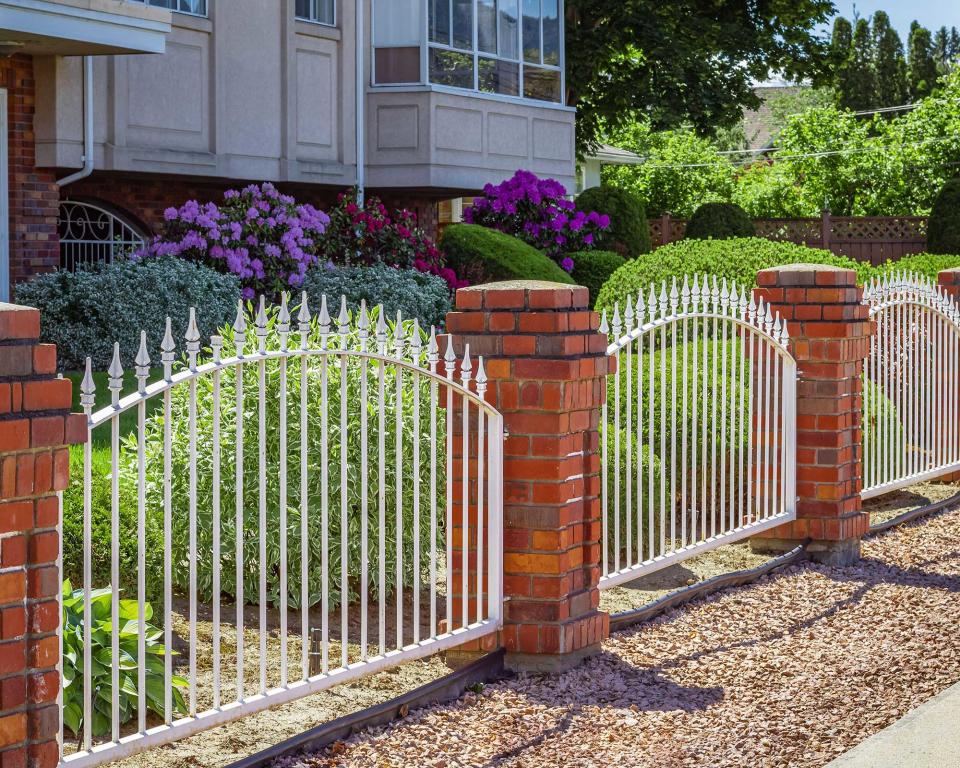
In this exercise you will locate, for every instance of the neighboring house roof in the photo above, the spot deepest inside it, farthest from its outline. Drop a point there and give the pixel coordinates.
(609, 155)
(758, 123)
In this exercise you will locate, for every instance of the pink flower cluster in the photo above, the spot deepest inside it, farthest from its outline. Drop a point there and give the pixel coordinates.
(264, 237)
(538, 212)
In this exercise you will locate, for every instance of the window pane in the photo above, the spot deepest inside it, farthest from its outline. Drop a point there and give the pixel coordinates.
(498, 76)
(398, 65)
(487, 26)
(302, 9)
(541, 84)
(451, 68)
(531, 30)
(198, 7)
(551, 32)
(463, 24)
(440, 21)
(315, 10)
(509, 15)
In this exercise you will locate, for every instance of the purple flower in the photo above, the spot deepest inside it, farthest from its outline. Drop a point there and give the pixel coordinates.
(567, 264)
(248, 293)
(171, 214)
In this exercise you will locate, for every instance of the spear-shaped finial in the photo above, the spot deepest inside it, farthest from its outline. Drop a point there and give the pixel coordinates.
(142, 363)
(115, 375)
(167, 349)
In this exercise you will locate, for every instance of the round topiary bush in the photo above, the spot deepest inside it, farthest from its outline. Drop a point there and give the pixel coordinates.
(483, 255)
(719, 221)
(593, 269)
(943, 228)
(629, 233)
(736, 260)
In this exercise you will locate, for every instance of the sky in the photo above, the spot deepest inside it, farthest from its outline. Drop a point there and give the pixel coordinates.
(932, 14)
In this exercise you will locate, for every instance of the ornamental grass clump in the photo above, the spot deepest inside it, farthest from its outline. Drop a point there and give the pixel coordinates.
(538, 212)
(263, 237)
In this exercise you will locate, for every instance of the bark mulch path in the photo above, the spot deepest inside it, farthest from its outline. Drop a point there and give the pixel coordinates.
(791, 671)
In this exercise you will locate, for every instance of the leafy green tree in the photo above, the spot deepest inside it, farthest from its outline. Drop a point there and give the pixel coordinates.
(859, 91)
(921, 67)
(683, 62)
(889, 64)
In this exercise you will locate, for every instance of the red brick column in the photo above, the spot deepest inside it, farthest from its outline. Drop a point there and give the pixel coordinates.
(547, 370)
(35, 429)
(830, 338)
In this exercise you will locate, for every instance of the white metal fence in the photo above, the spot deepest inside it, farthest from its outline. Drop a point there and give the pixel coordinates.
(911, 384)
(699, 425)
(306, 509)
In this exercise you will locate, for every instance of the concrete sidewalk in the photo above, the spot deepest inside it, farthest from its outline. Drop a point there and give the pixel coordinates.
(927, 737)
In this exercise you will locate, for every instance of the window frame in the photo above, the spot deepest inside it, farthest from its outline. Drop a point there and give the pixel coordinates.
(306, 20)
(204, 15)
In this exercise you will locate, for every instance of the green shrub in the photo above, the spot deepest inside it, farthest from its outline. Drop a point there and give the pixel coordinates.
(101, 657)
(319, 465)
(619, 512)
(593, 269)
(415, 294)
(629, 232)
(736, 260)
(926, 264)
(483, 255)
(943, 228)
(880, 417)
(719, 221)
(84, 312)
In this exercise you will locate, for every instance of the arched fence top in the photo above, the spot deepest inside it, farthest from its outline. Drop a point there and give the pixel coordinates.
(898, 288)
(702, 296)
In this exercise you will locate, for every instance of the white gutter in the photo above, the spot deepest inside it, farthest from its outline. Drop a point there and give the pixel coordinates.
(87, 126)
(361, 106)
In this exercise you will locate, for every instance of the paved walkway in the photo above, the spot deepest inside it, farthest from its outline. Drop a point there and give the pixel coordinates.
(928, 737)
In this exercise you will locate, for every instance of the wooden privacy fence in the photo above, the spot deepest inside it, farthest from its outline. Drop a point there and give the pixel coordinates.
(874, 239)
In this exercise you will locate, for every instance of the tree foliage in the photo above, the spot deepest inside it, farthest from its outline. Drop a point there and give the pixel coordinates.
(889, 63)
(921, 65)
(683, 61)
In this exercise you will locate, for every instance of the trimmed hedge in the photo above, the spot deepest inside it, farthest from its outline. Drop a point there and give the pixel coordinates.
(737, 260)
(84, 312)
(593, 269)
(415, 294)
(719, 221)
(924, 264)
(629, 232)
(943, 228)
(483, 255)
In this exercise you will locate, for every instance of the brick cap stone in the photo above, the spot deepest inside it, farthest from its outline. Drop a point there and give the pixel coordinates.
(17, 322)
(798, 275)
(523, 295)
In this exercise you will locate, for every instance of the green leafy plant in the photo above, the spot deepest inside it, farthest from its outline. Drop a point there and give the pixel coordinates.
(719, 221)
(483, 255)
(629, 232)
(129, 625)
(943, 230)
(593, 269)
(929, 265)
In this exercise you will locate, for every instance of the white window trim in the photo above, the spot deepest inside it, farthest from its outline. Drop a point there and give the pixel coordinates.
(316, 21)
(4, 202)
(177, 10)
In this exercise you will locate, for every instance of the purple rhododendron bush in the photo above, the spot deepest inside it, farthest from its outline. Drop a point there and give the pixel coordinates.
(538, 212)
(263, 237)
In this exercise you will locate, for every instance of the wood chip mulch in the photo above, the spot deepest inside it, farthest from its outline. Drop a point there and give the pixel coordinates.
(791, 671)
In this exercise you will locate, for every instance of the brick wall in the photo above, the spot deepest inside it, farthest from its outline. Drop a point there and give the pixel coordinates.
(34, 246)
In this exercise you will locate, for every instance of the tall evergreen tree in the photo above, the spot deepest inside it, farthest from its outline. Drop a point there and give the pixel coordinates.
(921, 67)
(889, 64)
(861, 87)
(941, 48)
(841, 60)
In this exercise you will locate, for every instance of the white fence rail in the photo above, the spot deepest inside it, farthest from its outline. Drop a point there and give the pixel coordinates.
(911, 384)
(699, 426)
(295, 504)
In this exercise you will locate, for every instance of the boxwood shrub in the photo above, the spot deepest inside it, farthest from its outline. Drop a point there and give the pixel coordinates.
(483, 255)
(943, 228)
(629, 232)
(738, 260)
(593, 269)
(719, 221)
(84, 312)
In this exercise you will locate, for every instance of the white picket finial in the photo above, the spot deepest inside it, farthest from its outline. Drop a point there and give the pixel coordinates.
(604, 325)
(617, 324)
(641, 308)
(240, 329)
(433, 350)
(481, 379)
(216, 347)
(381, 331)
(283, 321)
(449, 358)
(399, 342)
(303, 320)
(88, 389)
(260, 325)
(142, 363)
(466, 367)
(324, 320)
(674, 296)
(167, 349)
(363, 325)
(685, 294)
(628, 314)
(192, 337)
(115, 375)
(663, 299)
(343, 322)
(652, 304)
(416, 344)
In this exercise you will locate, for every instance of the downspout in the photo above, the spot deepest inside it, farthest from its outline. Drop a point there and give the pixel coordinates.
(87, 126)
(361, 106)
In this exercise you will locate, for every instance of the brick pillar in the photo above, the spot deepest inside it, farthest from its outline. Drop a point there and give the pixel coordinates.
(949, 282)
(35, 429)
(547, 368)
(830, 338)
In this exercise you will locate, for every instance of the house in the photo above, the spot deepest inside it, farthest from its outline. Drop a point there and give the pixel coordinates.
(117, 109)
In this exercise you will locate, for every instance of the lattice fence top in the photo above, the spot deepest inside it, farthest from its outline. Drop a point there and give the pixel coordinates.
(791, 230)
(882, 228)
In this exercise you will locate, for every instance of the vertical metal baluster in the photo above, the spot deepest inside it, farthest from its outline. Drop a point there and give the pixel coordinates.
(193, 348)
(239, 342)
(416, 349)
(628, 428)
(752, 442)
(745, 436)
(303, 326)
(651, 425)
(768, 402)
(115, 385)
(433, 358)
(714, 337)
(684, 308)
(465, 370)
(449, 364)
(695, 403)
(382, 497)
(674, 303)
(617, 335)
(343, 328)
(363, 334)
(283, 329)
(216, 348)
(640, 311)
(324, 327)
(260, 330)
(724, 310)
(167, 347)
(663, 414)
(605, 437)
(142, 370)
(481, 415)
(775, 403)
(704, 393)
(398, 349)
(88, 399)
